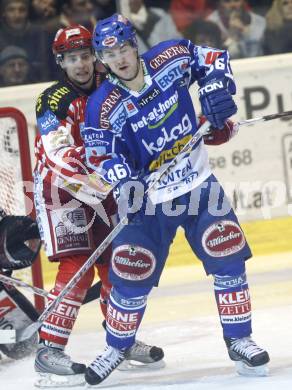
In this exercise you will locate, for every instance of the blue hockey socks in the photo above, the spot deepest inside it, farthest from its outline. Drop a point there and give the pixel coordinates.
(125, 311)
(233, 301)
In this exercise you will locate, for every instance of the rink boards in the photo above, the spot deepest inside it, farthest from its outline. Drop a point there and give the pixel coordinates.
(264, 237)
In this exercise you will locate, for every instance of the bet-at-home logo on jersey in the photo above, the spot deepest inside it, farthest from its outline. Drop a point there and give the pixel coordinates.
(158, 115)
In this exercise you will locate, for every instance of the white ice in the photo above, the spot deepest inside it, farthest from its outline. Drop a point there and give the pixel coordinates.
(182, 318)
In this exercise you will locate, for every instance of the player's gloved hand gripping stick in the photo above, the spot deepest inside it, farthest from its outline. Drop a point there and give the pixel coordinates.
(23, 334)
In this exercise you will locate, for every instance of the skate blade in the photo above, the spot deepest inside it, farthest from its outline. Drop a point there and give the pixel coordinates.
(46, 380)
(245, 370)
(133, 365)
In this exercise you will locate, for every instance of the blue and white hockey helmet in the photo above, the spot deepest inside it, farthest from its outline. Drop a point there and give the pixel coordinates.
(113, 31)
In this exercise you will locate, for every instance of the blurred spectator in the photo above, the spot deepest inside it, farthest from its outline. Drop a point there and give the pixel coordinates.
(278, 37)
(44, 13)
(43, 10)
(152, 24)
(184, 12)
(14, 67)
(204, 33)
(242, 30)
(16, 30)
(260, 6)
(76, 12)
(164, 4)
(104, 8)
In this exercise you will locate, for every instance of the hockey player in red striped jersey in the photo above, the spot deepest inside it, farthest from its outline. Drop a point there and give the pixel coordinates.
(71, 218)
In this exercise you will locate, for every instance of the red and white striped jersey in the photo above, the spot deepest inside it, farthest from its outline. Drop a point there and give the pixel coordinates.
(59, 147)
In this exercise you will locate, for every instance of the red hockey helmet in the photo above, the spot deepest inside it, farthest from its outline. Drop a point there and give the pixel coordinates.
(71, 38)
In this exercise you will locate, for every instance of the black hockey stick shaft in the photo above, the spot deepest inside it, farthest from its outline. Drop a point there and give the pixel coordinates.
(9, 280)
(92, 294)
(265, 118)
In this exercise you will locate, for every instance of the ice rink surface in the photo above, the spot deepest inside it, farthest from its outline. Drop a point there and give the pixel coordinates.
(182, 318)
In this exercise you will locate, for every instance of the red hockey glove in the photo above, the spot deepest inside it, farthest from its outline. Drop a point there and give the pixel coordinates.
(220, 136)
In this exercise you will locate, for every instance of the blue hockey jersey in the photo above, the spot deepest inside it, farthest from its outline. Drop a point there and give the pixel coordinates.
(128, 132)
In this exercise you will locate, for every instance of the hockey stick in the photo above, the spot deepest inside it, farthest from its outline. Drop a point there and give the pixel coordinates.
(22, 334)
(17, 282)
(7, 336)
(264, 118)
(92, 294)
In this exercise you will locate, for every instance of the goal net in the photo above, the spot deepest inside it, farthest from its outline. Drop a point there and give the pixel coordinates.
(16, 180)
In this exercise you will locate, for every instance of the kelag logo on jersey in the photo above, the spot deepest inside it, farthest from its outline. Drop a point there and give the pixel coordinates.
(178, 131)
(158, 115)
(149, 97)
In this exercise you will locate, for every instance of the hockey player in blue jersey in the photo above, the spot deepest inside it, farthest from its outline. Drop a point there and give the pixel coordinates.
(136, 123)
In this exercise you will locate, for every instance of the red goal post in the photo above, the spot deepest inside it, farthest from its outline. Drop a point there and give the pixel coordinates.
(16, 196)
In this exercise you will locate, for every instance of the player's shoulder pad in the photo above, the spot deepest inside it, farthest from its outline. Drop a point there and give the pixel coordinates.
(164, 52)
(56, 99)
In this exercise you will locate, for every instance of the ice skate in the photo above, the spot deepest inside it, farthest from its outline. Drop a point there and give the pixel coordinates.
(56, 369)
(142, 356)
(250, 359)
(104, 365)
